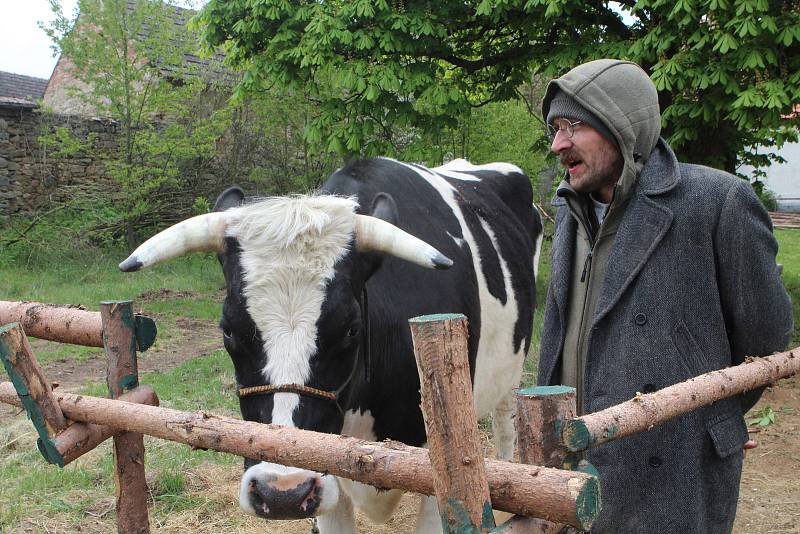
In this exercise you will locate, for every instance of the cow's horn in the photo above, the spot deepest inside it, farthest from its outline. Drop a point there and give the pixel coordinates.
(203, 233)
(376, 234)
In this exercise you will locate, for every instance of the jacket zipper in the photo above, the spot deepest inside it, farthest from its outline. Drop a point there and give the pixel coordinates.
(587, 264)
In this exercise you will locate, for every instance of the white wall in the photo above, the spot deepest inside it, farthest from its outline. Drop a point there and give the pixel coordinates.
(783, 179)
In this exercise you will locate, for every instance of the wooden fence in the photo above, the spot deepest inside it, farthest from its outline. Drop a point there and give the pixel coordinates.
(548, 490)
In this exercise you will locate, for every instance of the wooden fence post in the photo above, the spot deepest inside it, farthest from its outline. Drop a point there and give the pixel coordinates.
(119, 340)
(541, 414)
(462, 490)
(34, 392)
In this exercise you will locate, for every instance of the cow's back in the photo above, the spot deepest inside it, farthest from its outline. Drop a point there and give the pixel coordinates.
(459, 213)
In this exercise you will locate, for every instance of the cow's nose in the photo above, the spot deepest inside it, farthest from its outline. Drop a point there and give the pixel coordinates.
(285, 497)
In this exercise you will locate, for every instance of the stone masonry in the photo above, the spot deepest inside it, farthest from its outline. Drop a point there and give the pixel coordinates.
(29, 176)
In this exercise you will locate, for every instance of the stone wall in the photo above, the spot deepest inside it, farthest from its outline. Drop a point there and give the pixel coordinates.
(30, 175)
(265, 157)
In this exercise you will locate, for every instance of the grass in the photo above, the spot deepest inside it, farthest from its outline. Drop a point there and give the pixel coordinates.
(92, 277)
(73, 493)
(789, 257)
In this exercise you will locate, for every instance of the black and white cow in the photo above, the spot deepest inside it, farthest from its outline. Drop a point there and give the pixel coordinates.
(319, 292)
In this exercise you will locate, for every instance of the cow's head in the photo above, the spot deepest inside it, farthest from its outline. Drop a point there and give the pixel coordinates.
(293, 320)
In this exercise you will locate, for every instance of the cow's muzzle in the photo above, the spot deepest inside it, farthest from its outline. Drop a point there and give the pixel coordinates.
(277, 492)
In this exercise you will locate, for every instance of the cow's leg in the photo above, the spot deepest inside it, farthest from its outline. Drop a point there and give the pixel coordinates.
(339, 520)
(503, 427)
(428, 519)
(377, 505)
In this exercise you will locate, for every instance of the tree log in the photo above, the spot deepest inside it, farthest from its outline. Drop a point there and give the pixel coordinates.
(35, 394)
(65, 324)
(528, 525)
(79, 438)
(558, 495)
(119, 340)
(541, 412)
(456, 455)
(648, 410)
(68, 323)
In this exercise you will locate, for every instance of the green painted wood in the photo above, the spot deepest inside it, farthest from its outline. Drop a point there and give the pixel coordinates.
(44, 443)
(456, 520)
(437, 317)
(588, 504)
(546, 390)
(576, 436)
(146, 332)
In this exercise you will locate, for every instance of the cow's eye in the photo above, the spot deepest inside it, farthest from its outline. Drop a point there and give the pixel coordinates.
(352, 331)
(227, 334)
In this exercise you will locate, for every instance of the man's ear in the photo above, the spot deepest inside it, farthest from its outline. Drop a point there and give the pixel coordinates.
(230, 198)
(384, 207)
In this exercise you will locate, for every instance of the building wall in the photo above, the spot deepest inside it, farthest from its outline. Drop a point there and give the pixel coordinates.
(783, 179)
(29, 176)
(59, 96)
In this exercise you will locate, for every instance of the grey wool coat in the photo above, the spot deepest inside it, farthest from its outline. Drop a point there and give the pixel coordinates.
(691, 286)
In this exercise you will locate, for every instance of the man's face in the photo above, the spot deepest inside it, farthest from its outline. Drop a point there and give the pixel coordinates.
(593, 162)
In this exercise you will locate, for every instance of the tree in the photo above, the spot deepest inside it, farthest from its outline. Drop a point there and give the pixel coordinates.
(726, 70)
(130, 58)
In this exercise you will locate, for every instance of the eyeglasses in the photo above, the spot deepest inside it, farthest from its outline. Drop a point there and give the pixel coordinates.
(562, 125)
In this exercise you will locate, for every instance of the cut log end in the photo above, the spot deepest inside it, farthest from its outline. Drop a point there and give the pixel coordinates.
(50, 452)
(576, 436)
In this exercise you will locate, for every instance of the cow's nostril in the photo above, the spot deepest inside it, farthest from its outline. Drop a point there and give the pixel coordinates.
(279, 498)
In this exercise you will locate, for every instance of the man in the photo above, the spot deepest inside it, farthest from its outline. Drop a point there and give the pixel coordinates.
(660, 271)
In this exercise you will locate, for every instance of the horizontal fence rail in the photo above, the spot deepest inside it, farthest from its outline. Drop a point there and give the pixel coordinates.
(517, 488)
(648, 410)
(69, 324)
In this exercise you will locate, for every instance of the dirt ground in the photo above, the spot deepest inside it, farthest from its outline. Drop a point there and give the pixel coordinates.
(769, 499)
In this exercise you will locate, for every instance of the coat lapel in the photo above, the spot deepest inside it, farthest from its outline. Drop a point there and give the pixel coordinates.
(560, 274)
(643, 226)
(561, 267)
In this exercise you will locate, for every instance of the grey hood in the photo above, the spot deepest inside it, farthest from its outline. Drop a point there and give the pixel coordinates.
(631, 114)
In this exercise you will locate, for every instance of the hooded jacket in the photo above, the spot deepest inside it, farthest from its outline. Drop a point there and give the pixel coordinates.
(679, 279)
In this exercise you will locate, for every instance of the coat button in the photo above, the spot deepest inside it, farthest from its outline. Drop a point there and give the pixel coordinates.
(640, 319)
(655, 461)
(649, 388)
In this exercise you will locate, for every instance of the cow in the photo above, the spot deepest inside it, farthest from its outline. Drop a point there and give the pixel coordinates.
(319, 290)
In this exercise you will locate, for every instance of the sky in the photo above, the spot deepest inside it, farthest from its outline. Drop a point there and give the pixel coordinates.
(24, 47)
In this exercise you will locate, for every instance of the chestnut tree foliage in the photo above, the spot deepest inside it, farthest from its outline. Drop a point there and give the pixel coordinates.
(727, 71)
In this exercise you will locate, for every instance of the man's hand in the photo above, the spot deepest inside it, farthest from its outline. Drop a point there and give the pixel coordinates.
(749, 444)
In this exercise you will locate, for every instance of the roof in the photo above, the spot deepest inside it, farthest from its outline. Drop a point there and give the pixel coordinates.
(19, 87)
(210, 67)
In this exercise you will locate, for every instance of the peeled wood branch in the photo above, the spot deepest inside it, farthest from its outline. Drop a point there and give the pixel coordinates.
(558, 495)
(65, 324)
(79, 438)
(646, 411)
(462, 492)
(24, 370)
(68, 323)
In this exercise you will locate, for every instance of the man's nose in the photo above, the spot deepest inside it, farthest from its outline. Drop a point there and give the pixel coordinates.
(560, 142)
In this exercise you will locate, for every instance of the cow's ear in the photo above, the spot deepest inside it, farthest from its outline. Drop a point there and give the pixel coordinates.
(383, 207)
(230, 198)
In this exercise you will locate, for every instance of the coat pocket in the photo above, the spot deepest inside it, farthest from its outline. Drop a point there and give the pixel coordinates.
(728, 434)
(692, 357)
